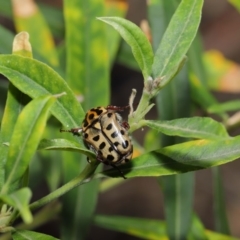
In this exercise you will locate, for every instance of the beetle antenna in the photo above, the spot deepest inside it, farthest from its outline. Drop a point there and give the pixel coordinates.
(64, 130)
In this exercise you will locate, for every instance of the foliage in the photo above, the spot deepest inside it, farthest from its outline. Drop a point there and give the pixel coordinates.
(55, 88)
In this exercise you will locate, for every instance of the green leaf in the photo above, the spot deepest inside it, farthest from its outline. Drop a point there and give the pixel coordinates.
(224, 107)
(195, 127)
(20, 200)
(152, 140)
(6, 41)
(177, 39)
(66, 145)
(6, 8)
(54, 18)
(197, 231)
(200, 94)
(41, 37)
(149, 228)
(30, 235)
(195, 57)
(35, 79)
(118, 9)
(178, 203)
(198, 77)
(139, 43)
(204, 153)
(221, 221)
(156, 16)
(15, 102)
(143, 228)
(25, 138)
(87, 58)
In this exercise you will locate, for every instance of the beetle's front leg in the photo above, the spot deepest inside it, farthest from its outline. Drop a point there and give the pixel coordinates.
(74, 131)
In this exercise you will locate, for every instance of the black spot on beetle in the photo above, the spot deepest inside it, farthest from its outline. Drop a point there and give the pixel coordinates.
(110, 149)
(116, 144)
(114, 134)
(125, 144)
(110, 157)
(99, 111)
(109, 126)
(85, 135)
(109, 115)
(96, 138)
(102, 145)
(85, 123)
(91, 116)
(122, 132)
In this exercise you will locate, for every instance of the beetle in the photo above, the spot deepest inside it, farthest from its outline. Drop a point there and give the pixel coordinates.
(105, 133)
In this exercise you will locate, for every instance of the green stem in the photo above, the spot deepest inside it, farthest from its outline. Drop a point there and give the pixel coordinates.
(85, 175)
(135, 120)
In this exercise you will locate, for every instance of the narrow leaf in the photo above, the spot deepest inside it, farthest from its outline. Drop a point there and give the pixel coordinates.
(177, 39)
(178, 203)
(195, 127)
(118, 9)
(25, 138)
(36, 79)
(87, 58)
(148, 228)
(6, 41)
(15, 102)
(221, 221)
(41, 38)
(200, 94)
(197, 231)
(196, 64)
(143, 228)
(224, 107)
(66, 145)
(139, 43)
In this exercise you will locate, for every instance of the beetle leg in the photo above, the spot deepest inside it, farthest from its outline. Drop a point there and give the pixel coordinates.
(116, 108)
(114, 166)
(99, 157)
(125, 125)
(74, 131)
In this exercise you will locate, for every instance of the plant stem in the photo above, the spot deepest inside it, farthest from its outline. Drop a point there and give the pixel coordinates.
(142, 109)
(85, 175)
